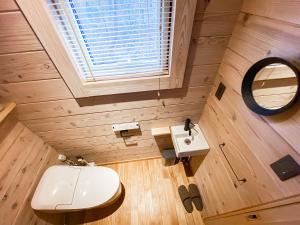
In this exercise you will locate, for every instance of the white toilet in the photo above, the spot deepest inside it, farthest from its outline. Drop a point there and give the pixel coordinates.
(68, 188)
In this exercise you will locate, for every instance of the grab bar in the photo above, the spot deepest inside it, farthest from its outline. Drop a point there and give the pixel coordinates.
(243, 180)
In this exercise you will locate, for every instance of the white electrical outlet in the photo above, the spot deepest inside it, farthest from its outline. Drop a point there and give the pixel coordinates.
(125, 126)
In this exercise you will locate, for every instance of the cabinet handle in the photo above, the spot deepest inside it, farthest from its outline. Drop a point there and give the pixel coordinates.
(243, 180)
(253, 217)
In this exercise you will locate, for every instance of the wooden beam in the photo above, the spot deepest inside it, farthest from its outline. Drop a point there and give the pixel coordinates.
(26, 66)
(16, 35)
(34, 91)
(274, 83)
(7, 109)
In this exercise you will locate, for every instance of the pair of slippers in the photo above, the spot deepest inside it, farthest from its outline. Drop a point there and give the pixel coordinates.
(188, 197)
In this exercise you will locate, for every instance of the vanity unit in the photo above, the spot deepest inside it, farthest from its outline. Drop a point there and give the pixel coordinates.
(188, 145)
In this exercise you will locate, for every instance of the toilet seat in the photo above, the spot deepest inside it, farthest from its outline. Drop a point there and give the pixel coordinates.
(67, 188)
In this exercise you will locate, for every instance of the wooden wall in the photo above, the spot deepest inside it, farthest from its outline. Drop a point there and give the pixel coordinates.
(23, 158)
(46, 105)
(264, 28)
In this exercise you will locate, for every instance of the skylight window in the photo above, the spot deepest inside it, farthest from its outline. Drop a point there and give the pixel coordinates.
(107, 47)
(115, 39)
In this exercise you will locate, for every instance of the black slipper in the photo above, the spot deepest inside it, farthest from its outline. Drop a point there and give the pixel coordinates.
(185, 198)
(195, 196)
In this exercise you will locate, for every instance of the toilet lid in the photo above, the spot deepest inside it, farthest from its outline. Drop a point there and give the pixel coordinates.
(71, 188)
(56, 186)
(95, 186)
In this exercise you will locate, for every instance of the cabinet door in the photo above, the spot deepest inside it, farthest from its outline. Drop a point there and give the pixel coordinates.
(219, 176)
(216, 186)
(282, 215)
(252, 183)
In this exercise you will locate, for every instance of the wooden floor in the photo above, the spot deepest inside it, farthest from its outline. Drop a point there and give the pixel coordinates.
(150, 197)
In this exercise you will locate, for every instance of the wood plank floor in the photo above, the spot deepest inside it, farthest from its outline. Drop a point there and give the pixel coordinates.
(150, 197)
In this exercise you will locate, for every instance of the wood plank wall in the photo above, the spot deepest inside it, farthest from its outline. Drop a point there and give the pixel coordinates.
(46, 105)
(23, 158)
(264, 28)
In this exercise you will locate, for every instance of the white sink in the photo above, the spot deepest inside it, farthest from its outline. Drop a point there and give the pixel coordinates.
(186, 145)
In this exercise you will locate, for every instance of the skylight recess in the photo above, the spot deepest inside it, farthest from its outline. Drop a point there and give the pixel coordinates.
(115, 39)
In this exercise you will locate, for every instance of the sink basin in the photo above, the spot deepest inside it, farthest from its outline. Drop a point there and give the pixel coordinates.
(186, 145)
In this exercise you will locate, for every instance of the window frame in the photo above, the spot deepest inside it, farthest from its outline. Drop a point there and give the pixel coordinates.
(38, 16)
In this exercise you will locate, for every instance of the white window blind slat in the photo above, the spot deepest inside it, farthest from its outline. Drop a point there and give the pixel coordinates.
(98, 47)
(117, 23)
(95, 3)
(124, 37)
(122, 13)
(142, 59)
(114, 38)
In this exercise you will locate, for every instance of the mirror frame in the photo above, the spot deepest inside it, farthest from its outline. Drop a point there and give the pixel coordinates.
(249, 77)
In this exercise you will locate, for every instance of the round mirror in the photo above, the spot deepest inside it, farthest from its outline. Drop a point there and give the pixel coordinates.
(270, 86)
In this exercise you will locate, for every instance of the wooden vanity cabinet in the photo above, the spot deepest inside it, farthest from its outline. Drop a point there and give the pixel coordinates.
(252, 142)
(232, 177)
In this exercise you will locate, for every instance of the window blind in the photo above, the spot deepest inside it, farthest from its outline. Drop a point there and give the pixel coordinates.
(115, 39)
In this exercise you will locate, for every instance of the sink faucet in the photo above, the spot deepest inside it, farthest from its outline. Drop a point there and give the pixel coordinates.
(188, 126)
